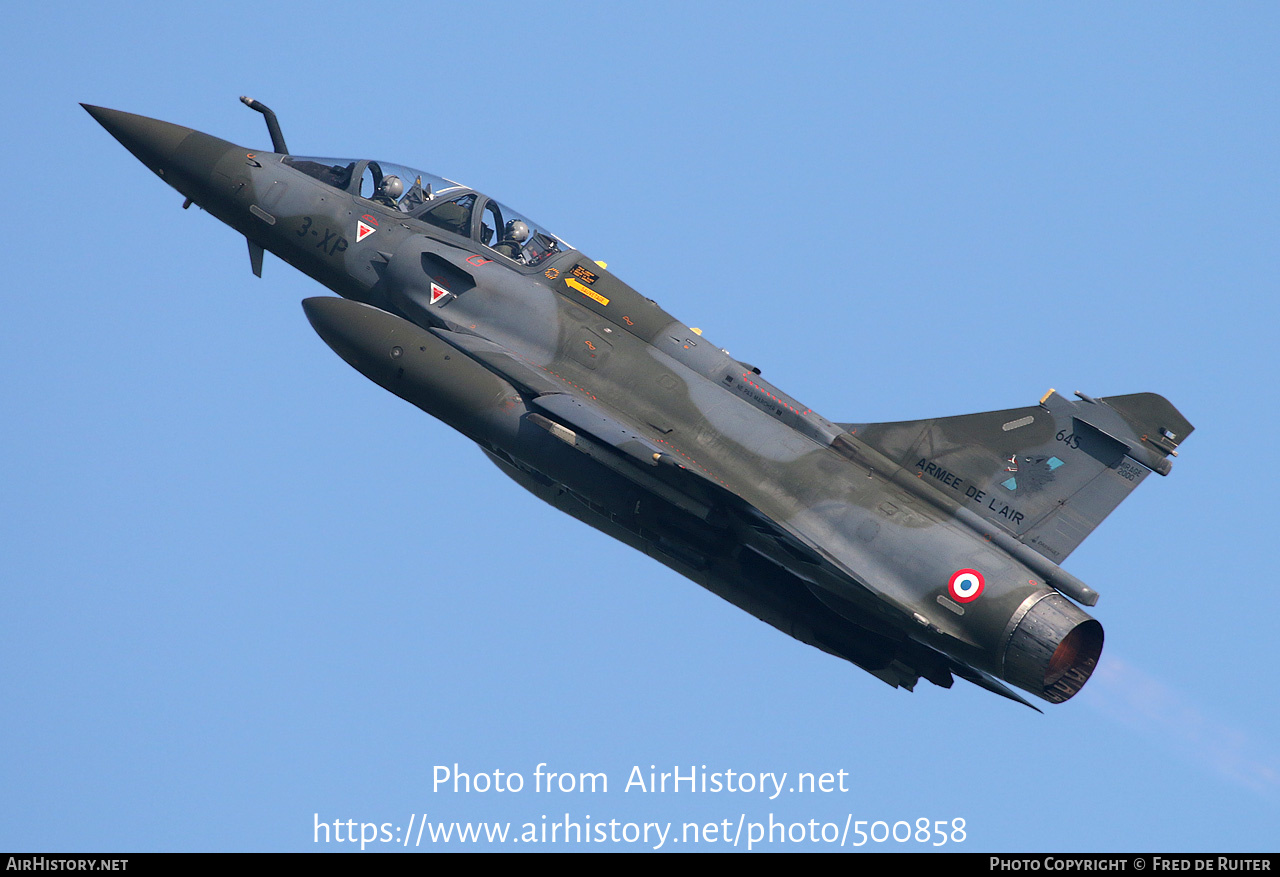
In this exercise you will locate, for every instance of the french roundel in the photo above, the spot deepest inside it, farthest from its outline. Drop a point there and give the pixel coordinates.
(966, 585)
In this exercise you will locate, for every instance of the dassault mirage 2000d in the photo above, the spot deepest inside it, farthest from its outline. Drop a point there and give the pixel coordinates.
(921, 548)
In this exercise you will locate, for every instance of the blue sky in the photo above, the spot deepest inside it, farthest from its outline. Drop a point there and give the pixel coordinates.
(244, 586)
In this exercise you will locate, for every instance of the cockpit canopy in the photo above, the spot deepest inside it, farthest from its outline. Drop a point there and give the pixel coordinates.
(438, 202)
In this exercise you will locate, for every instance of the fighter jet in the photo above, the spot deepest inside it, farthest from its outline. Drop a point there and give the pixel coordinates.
(926, 548)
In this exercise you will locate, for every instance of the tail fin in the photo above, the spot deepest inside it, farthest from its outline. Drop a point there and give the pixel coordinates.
(1047, 474)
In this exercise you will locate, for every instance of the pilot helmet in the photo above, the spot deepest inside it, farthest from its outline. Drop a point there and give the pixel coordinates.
(392, 186)
(516, 231)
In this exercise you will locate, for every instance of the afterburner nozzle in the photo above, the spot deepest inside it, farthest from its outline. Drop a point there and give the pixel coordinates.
(1053, 649)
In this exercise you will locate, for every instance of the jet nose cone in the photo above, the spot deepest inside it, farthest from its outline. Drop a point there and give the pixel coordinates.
(152, 141)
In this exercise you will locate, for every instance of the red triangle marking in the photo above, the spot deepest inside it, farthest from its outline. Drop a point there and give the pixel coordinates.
(437, 292)
(363, 231)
